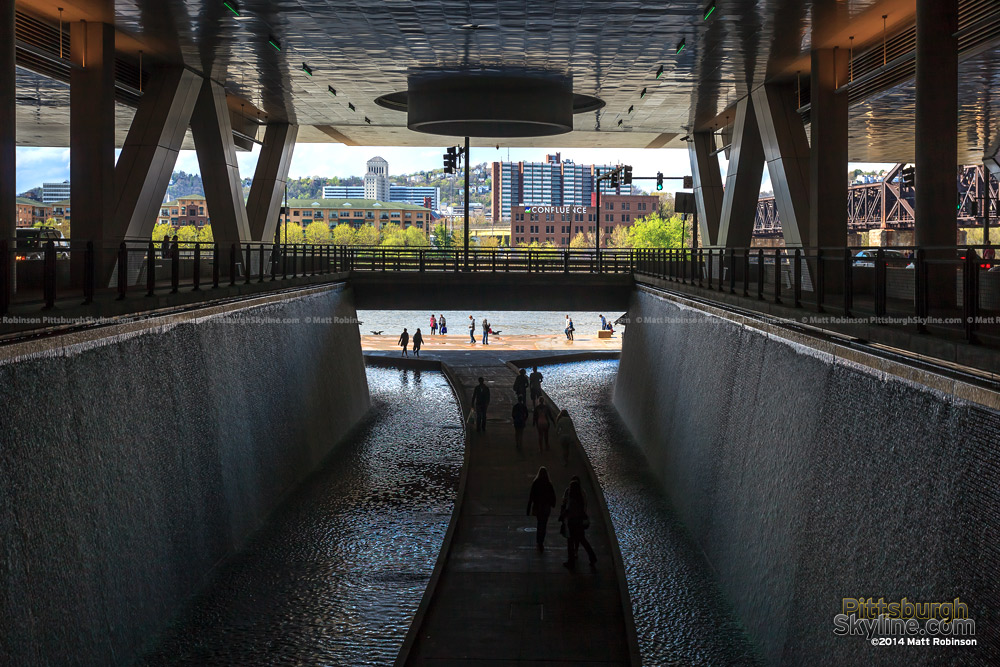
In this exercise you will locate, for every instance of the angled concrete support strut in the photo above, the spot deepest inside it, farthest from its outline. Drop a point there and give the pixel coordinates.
(746, 166)
(150, 152)
(220, 173)
(828, 150)
(264, 202)
(786, 151)
(707, 185)
(8, 122)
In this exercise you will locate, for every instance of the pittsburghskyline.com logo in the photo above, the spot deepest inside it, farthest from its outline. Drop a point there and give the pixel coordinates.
(904, 622)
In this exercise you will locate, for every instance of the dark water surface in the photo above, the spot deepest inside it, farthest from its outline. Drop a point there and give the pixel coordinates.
(336, 574)
(680, 615)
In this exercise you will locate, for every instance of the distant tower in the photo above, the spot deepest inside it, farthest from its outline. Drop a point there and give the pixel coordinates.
(377, 180)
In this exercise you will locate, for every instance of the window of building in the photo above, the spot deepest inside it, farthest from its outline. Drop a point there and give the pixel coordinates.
(607, 230)
(201, 210)
(295, 213)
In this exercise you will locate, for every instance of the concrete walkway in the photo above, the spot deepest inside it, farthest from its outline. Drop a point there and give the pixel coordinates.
(496, 600)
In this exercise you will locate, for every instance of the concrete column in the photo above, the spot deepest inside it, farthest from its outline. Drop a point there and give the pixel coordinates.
(746, 166)
(786, 151)
(936, 122)
(8, 124)
(264, 202)
(707, 186)
(92, 142)
(220, 173)
(828, 154)
(150, 151)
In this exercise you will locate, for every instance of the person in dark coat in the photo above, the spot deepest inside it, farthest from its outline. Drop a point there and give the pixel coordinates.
(165, 247)
(521, 385)
(519, 417)
(541, 500)
(535, 383)
(574, 513)
(418, 340)
(481, 401)
(404, 340)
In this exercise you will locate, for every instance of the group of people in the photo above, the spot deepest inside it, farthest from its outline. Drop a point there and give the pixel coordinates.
(404, 340)
(572, 515)
(487, 330)
(438, 323)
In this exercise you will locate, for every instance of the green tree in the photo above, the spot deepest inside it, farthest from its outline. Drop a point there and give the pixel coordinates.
(443, 239)
(343, 235)
(317, 232)
(656, 232)
(488, 242)
(366, 235)
(392, 235)
(582, 240)
(205, 234)
(186, 236)
(415, 237)
(161, 230)
(619, 238)
(291, 232)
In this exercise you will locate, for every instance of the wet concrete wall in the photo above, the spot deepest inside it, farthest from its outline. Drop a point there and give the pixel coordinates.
(130, 465)
(806, 478)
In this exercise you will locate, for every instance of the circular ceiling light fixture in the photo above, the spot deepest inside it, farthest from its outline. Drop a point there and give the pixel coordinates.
(490, 103)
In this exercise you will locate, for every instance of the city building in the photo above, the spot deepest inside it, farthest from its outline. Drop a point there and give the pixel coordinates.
(30, 211)
(377, 180)
(60, 211)
(410, 194)
(53, 192)
(358, 212)
(552, 183)
(559, 224)
(187, 210)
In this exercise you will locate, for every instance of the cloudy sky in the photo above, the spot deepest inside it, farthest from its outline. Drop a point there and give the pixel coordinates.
(38, 165)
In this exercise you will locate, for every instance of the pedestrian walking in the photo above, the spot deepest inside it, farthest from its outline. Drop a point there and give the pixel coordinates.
(574, 514)
(604, 323)
(434, 324)
(535, 385)
(418, 340)
(541, 500)
(481, 401)
(569, 327)
(165, 247)
(486, 332)
(443, 324)
(521, 385)
(472, 329)
(519, 417)
(542, 421)
(565, 433)
(404, 340)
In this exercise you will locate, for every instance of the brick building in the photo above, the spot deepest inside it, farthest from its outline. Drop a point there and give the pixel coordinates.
(30, 211)
(189, 210)
(559, 224)
(358, 212)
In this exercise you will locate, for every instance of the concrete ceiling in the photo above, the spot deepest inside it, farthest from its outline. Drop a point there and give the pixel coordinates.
(611, 49)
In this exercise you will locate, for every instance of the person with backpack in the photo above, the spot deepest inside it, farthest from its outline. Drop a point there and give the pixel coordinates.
(535, 385)
(443, 324)
(541, 500)
(434, 325)
(519, 417)
(542, 421)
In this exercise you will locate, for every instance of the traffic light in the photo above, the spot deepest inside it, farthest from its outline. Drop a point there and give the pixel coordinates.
(659, 180)
(688, 182)
(614, 180)
(908, 177)
(450, 160)
(627, 175)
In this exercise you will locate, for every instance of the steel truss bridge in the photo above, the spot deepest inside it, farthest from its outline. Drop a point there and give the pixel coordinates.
(888, 204)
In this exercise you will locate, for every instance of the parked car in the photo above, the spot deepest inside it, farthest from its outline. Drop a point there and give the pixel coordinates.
(897, 258)
(30, 243)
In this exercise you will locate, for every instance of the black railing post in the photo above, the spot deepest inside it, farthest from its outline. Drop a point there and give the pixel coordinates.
(246, 265)
(970, 293)
(566, 261)
(151, 269)
(5, 281)
(49, 274)
(89, 270)
(848, 282)
(260, 278)
(529, 261)
(880, 283)
(777, 275)
(920, 290)
(216, 257)
(732, 270)
(312, 260)
(421, 261)
(797, 269)
(819, 285)
(760, 274)
(175, 266)
(283, 249)
(710, 267)
(232, 264)
(196, 269)
(122, 271)
(295, 260)
(746, 271)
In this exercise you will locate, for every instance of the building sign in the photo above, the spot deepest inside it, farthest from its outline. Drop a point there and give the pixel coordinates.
(555, 209)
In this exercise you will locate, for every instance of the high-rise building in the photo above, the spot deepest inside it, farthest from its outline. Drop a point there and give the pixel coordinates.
(343, 192)
(409, 194)
(53, 192)
(377, 180)
(551, 183)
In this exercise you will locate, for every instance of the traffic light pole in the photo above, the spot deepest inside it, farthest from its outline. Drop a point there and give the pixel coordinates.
(597, 218)
(466, 203)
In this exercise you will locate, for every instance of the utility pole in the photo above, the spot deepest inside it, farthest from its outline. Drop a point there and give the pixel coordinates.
(466, 203)
(597, 216)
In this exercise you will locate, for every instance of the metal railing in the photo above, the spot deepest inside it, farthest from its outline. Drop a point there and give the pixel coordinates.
(953, 288)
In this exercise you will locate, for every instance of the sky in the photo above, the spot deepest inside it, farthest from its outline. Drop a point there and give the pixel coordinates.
(38, 165)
